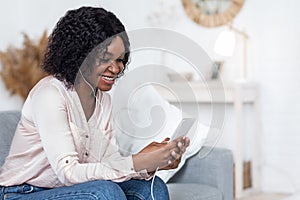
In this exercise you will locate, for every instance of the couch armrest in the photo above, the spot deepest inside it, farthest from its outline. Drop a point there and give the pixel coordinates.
(8, 123)
(214, 169)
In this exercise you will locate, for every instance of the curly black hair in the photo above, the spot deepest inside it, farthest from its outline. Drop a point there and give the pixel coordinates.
(76, 34)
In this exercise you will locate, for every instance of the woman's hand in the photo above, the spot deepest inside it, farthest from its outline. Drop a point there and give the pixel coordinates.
(182, 145)
(165, 155)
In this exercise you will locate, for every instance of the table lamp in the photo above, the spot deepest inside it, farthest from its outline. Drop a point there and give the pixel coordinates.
(226, 43)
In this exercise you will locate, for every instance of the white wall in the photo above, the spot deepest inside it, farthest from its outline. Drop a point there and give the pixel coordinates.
(274, 45)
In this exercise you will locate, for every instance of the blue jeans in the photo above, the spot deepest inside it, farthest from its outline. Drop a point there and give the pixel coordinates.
(93, 190)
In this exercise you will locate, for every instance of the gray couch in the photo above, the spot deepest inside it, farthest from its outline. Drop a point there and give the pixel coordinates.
(209, 178)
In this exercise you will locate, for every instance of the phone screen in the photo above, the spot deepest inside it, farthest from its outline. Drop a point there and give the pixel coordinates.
(183, 128)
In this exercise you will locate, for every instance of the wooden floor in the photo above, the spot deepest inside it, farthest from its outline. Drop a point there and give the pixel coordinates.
(265, 196)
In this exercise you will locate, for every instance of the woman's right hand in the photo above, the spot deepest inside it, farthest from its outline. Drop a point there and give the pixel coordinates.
(160, 155)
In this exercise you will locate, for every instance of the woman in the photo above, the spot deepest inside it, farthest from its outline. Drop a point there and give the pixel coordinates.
(64, 147)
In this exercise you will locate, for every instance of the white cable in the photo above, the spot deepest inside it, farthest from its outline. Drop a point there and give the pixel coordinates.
(152, 183)
(94, 92)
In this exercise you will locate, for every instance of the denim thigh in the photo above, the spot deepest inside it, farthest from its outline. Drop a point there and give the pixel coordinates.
(93, 190)
(141, 189)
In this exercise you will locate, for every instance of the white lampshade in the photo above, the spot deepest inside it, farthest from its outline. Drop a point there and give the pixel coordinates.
(225, 43)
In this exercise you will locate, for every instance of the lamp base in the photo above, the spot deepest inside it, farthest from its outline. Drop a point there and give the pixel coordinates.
(216, 69)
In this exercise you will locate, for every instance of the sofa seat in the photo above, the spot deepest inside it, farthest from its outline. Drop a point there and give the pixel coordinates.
(192, 191)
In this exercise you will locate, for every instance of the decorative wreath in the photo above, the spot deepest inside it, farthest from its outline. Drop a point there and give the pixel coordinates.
(22, 67)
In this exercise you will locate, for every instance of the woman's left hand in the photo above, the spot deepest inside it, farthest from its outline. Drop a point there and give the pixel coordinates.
(182, 144)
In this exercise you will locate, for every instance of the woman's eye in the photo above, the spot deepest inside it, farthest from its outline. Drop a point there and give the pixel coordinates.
(107, 60)
(120, 60)
(103, 60)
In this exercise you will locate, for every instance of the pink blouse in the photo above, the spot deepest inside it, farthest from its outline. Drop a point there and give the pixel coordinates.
(54, 145)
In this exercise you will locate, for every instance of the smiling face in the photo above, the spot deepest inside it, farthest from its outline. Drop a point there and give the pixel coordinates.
(108, 66)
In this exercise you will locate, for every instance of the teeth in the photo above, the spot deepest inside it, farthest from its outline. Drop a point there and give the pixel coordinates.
(108, 78)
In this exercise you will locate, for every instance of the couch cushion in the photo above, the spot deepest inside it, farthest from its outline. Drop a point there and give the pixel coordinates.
(182, 191)
(8, 124)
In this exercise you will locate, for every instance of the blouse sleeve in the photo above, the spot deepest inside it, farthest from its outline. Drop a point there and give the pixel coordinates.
(51, 119)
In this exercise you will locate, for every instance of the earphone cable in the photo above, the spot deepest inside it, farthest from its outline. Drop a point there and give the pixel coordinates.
(152, 184)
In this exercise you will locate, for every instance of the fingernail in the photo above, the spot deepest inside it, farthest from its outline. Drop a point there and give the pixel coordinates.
(179, 144)
(173, 153)
(169, 162)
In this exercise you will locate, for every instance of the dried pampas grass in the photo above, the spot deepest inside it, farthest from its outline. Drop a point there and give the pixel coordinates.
(22, 67)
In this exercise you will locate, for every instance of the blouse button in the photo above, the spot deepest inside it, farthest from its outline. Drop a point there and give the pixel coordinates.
(86, 136)
(86, 154)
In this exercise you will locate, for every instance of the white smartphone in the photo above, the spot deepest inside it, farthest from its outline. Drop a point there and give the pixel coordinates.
(183, 128)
